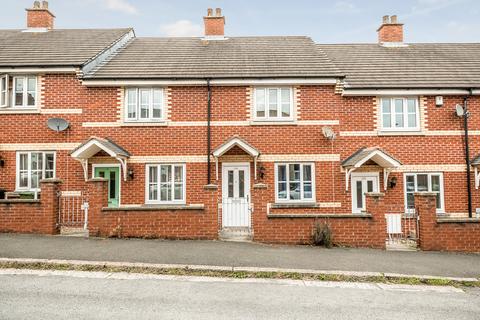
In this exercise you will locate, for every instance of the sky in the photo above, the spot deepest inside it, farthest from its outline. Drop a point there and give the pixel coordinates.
(326, 21)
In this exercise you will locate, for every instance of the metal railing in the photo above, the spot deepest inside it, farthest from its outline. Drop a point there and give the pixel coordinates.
(72, 210)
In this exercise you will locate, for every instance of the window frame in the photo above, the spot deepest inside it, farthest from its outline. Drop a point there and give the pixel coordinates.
(138, 118)
(267, 117)
(172, 183)
(4, 78)
(288, 181)
(429, 174)
(25, 92)
(405, 114)
(29, 169)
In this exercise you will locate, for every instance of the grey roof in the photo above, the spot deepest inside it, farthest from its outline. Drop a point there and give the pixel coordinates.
(57, 47)
(235, 57)
(432, 65)
(361, 154)
(108, 144)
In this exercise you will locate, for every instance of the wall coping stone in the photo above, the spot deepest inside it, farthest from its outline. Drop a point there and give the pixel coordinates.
(458, 220)
(52, 180)
(98, 180)
(375, 194)
(210, 186)
(10, 201)
(157, 208)
(321, 215)
(260, 186)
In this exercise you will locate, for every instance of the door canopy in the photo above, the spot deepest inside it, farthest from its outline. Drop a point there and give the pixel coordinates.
(364, 155)
(236, 141)
(94, 145)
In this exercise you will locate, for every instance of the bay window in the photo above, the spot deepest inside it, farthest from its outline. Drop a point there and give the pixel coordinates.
(423, 182)
(273, 104)
(295, 182)
(400, 114)
(165, 183)
(144, 104)
(33, 167)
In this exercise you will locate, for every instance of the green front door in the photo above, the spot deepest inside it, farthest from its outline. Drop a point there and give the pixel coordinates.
(112, 174)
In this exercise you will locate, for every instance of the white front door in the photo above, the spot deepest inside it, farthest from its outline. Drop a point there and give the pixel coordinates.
(236, 195)
(361, 184)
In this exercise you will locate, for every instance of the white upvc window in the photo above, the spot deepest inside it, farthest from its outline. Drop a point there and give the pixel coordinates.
(165, 184)
(273, 104)
(24, 91)
(400, 114)
(423, 182)
(33, 167)
(4, 90)
(295, 182)
(144, 104)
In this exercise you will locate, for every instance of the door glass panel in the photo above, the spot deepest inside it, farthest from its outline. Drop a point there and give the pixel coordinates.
(359, 194)
(369, 186)
(101, 174)
(113, 182)
(241, 184)
(230, 183)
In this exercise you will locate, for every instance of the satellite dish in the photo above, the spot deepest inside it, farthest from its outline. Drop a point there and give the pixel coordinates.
(328, 133)
(58, 124)
(459, 110)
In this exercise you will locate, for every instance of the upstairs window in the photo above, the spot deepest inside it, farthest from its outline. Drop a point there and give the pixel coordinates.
(273, 104)
(144, 104)
(23, 91)
(33, 167)
(400, 114)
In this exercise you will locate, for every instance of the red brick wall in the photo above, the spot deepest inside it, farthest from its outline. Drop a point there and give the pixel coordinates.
(390, 33)
(40, 19)
(436, 235)
(214, 26)
(32, 216)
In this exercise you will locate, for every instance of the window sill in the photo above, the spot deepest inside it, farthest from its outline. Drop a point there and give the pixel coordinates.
(273, 123)
(401, 133)
(145, 124)
(158, 207)
(293, 205)
(17, 110)
(321, 215)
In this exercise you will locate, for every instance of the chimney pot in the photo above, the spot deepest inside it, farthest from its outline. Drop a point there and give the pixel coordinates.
(390, 31)
(36, 5)
(209, 12)
(218, 12)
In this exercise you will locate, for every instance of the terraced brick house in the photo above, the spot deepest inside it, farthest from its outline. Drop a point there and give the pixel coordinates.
(218, 136)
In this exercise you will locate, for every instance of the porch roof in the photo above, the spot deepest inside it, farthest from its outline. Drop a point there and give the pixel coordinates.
(376, 154)
(236, 141)
(93, 145)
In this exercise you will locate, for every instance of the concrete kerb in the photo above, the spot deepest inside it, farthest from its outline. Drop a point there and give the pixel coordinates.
(231, 269)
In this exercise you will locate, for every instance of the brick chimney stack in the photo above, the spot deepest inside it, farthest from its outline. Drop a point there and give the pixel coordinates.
(214, 24)
(39, 16)
(390, 31)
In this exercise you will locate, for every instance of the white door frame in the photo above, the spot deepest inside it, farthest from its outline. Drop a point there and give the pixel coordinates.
(354, 177)
(244, 216)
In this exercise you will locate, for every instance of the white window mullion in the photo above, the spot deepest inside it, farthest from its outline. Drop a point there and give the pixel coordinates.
(301, 182)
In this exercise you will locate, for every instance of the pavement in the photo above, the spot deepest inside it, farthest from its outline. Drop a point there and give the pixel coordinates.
(231, 254)
(45, 294)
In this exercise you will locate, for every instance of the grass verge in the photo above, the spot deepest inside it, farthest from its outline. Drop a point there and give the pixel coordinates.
(238, 274)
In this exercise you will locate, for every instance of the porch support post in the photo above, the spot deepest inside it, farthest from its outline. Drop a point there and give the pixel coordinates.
(84, 163)
(123, 163)
(348, 172)
(255, 168)
(216, 168)
(386, 173)
(477, 178)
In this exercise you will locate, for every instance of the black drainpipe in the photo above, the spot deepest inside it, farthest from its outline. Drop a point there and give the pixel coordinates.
(209, 138)
(467, 154)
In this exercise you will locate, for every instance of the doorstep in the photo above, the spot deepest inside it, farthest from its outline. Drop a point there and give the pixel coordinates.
(74, 232)
(236, 234)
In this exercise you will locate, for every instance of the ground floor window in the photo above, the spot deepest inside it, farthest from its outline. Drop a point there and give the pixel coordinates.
(423, 182)
(295, 182)
(165, 183)
(33, 167)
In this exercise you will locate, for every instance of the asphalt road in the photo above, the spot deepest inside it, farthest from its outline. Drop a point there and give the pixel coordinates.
(239, 254)
(92, 296)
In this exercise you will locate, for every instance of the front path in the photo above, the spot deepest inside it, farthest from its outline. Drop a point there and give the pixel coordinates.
(218, 253)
